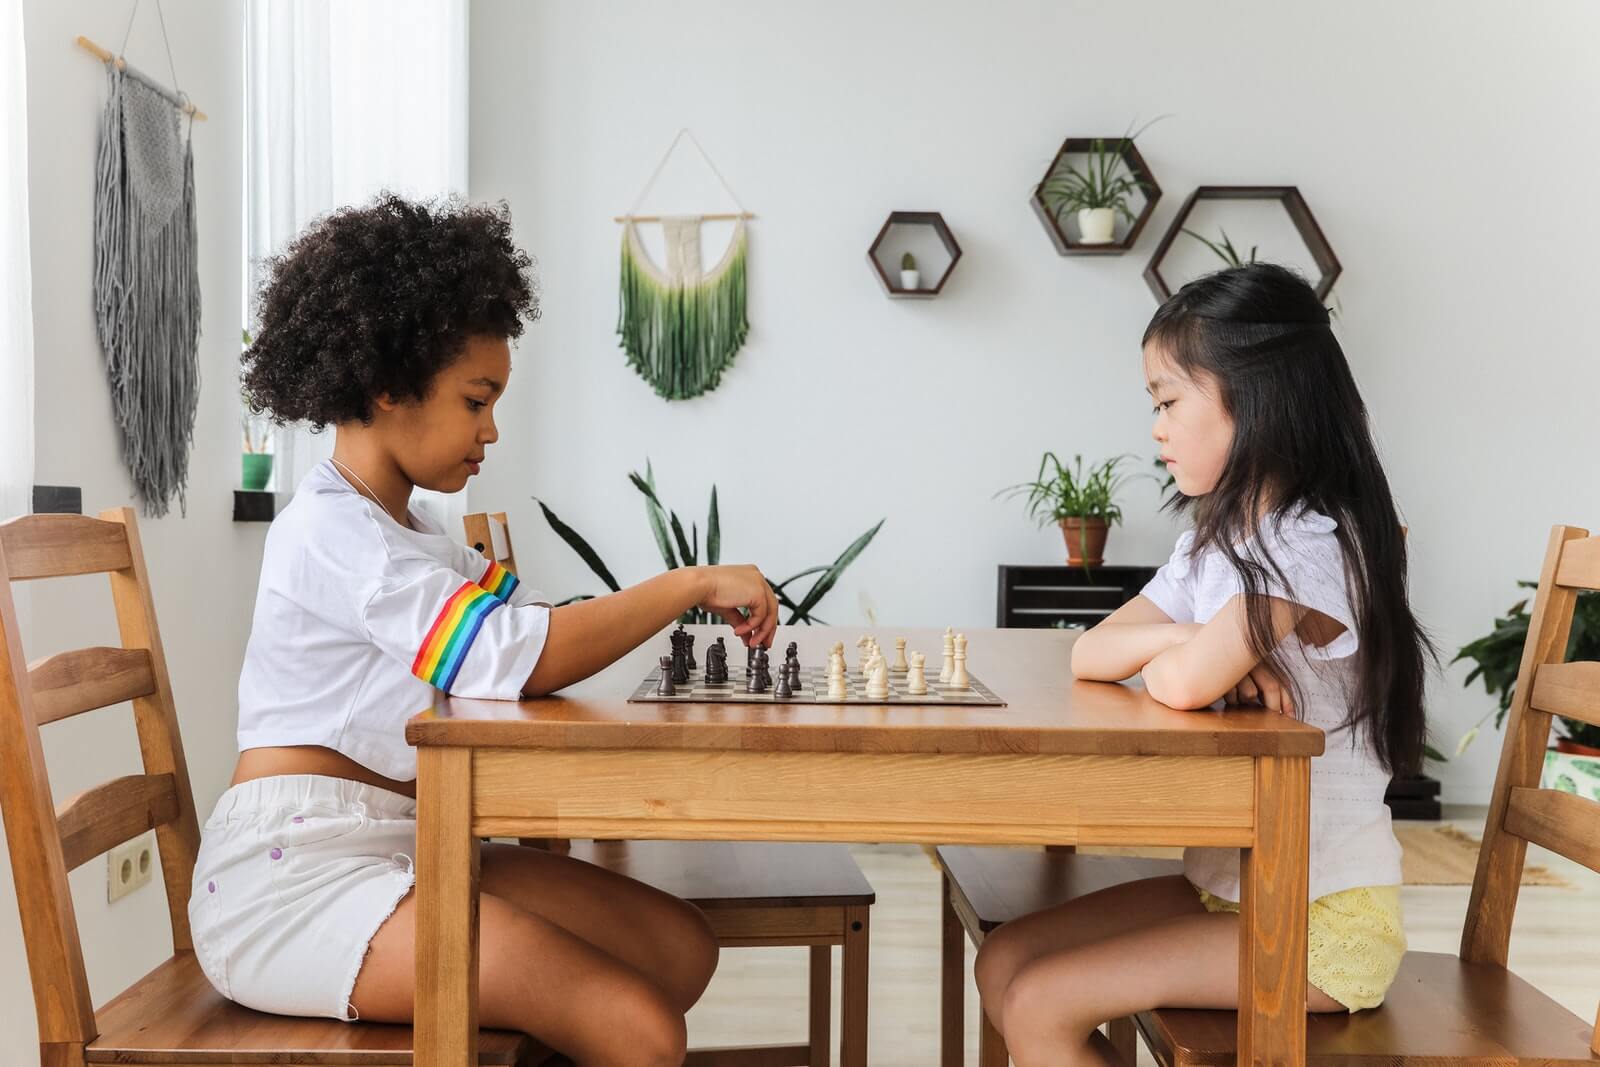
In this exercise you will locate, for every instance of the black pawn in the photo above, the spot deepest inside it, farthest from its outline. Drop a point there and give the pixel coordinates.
(791, 671)
(784, 690)
(688, 648)
(664, 687)
(753, 680)
(763, 670)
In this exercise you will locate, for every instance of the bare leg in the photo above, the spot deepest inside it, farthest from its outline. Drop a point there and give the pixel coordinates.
(1053, 1003)
(535, 977)
(657, 934)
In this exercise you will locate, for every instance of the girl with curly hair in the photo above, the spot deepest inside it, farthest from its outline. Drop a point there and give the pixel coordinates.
(392, 323)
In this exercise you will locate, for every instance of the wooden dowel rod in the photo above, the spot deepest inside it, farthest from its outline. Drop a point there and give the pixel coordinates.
(723, 217)
(106, 57)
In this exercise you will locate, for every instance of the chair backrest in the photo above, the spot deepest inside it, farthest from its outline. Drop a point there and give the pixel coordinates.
(45, 841)
(491, 535)
(1519, 811)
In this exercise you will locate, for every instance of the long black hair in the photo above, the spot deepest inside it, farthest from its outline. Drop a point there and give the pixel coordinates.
(1301, 440)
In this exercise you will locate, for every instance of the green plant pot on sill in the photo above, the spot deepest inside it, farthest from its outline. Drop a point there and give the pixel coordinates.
(257, 470)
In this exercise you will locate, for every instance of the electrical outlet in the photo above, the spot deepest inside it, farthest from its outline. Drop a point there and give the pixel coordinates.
(129, 866)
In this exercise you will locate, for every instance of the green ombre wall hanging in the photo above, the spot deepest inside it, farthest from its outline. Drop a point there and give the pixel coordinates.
(681, 325)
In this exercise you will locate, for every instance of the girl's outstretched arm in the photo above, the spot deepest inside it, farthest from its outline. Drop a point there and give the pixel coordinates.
(1123, 642)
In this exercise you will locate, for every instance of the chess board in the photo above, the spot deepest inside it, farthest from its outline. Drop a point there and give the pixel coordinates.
(813, 690)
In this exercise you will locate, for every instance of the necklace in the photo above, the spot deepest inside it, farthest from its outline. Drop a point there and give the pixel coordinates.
(366, 487)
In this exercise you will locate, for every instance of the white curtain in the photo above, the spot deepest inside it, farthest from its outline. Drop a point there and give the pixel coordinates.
(16, 289)
(343, 100)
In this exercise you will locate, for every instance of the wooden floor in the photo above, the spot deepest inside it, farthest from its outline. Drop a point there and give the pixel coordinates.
(758, 995)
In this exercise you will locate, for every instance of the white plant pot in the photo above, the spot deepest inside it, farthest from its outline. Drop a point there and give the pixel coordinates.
(911, 279)
(1096, 225)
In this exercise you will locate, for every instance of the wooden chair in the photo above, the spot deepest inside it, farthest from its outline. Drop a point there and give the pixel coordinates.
(172, 1015)
(1469, 1008)
(753, 894)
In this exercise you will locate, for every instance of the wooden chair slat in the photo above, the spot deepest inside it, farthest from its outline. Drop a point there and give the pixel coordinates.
(1569, 689)
(84, 679)
(1580, 564)
(99, 819)
(56, 546)
(1561, 822)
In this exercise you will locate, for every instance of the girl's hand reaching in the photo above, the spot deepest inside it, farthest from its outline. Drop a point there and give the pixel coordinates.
(740, 594)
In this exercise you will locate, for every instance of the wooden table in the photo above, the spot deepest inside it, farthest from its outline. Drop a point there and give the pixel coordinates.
(1066, 762)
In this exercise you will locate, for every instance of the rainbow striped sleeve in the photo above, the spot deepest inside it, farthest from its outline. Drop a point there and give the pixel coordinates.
(439, 659)
(499, 581)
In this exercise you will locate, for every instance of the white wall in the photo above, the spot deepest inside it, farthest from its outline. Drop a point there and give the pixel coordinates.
(203, 567)
(1406, 127)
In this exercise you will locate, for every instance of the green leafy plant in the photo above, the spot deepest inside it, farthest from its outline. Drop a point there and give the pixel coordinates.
(1103, 181)
(1224, 249)
(1498, 655)
(908, 262)
(1060, 492)
(678, 550)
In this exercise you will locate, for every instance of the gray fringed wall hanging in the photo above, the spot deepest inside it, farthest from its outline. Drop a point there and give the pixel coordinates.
(146, 278)
(682, 326)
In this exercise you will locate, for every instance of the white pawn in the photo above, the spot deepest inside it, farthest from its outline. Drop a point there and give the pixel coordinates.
(877, 679)
(917, 679)
(958, 676)
(949, 667)
(899, 656)
(836, 682)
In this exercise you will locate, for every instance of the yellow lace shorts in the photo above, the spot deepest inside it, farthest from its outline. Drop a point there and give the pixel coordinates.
(1355, 941)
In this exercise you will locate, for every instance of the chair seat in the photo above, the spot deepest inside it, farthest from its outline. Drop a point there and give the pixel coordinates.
(990, 886)
(173, 1016)
(737, 874)
(1438, 1009)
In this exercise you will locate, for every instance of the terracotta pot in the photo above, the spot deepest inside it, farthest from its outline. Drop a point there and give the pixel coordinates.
(1086, 541)
(1571, 747)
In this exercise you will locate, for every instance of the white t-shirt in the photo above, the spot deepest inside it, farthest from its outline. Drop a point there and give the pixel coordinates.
(360, 623)
(1352, 839)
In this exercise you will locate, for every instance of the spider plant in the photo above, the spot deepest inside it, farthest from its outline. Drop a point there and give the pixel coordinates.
(1060, 492)
(1224, 250)
(685, 551)
(1104, 181)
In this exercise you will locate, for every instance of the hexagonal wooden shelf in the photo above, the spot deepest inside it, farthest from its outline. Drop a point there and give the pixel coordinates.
(1060, 235)
(1293, 204)
(889, 277)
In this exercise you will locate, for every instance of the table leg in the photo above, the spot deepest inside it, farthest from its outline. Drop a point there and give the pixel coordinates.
(446, 1028)
(1272, 923)
(853, 991)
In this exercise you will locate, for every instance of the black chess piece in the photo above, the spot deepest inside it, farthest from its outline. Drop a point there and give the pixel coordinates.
(792, 652)
(717, 663)
(688, 648)
(756, 679)
(664, 687)
(791, 671)
(680, 665)
(763, 670)
(784, 690)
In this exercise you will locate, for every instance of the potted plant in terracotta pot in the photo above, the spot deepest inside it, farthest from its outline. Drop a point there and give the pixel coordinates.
(1083, 503)
(1573, 763)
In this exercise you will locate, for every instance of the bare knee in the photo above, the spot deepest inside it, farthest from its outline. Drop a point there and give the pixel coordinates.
(693, 955)
(656, 1033)
(1034, 1009)
(999, 957)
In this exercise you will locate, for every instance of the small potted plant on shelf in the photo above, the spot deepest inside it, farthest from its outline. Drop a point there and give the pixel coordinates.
(257, 459)
(1573, 763)
(1098, 193)
(1082, 503)
(910, 277)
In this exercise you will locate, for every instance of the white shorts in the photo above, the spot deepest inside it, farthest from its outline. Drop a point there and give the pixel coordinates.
(294, 877)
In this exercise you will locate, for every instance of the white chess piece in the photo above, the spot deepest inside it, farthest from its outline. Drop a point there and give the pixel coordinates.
(863, 653)
(916, 679)
(877, 679)
(899, 666)
(949, 667)
(836, 682)
(958, 676)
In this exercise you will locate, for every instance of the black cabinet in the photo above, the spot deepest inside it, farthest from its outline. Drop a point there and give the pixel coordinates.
(1042, 597)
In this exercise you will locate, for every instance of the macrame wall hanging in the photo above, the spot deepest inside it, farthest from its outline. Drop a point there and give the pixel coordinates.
(681, 326)
(146, 275)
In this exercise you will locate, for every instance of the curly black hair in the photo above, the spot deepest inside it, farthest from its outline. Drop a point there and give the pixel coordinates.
(377, 300)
